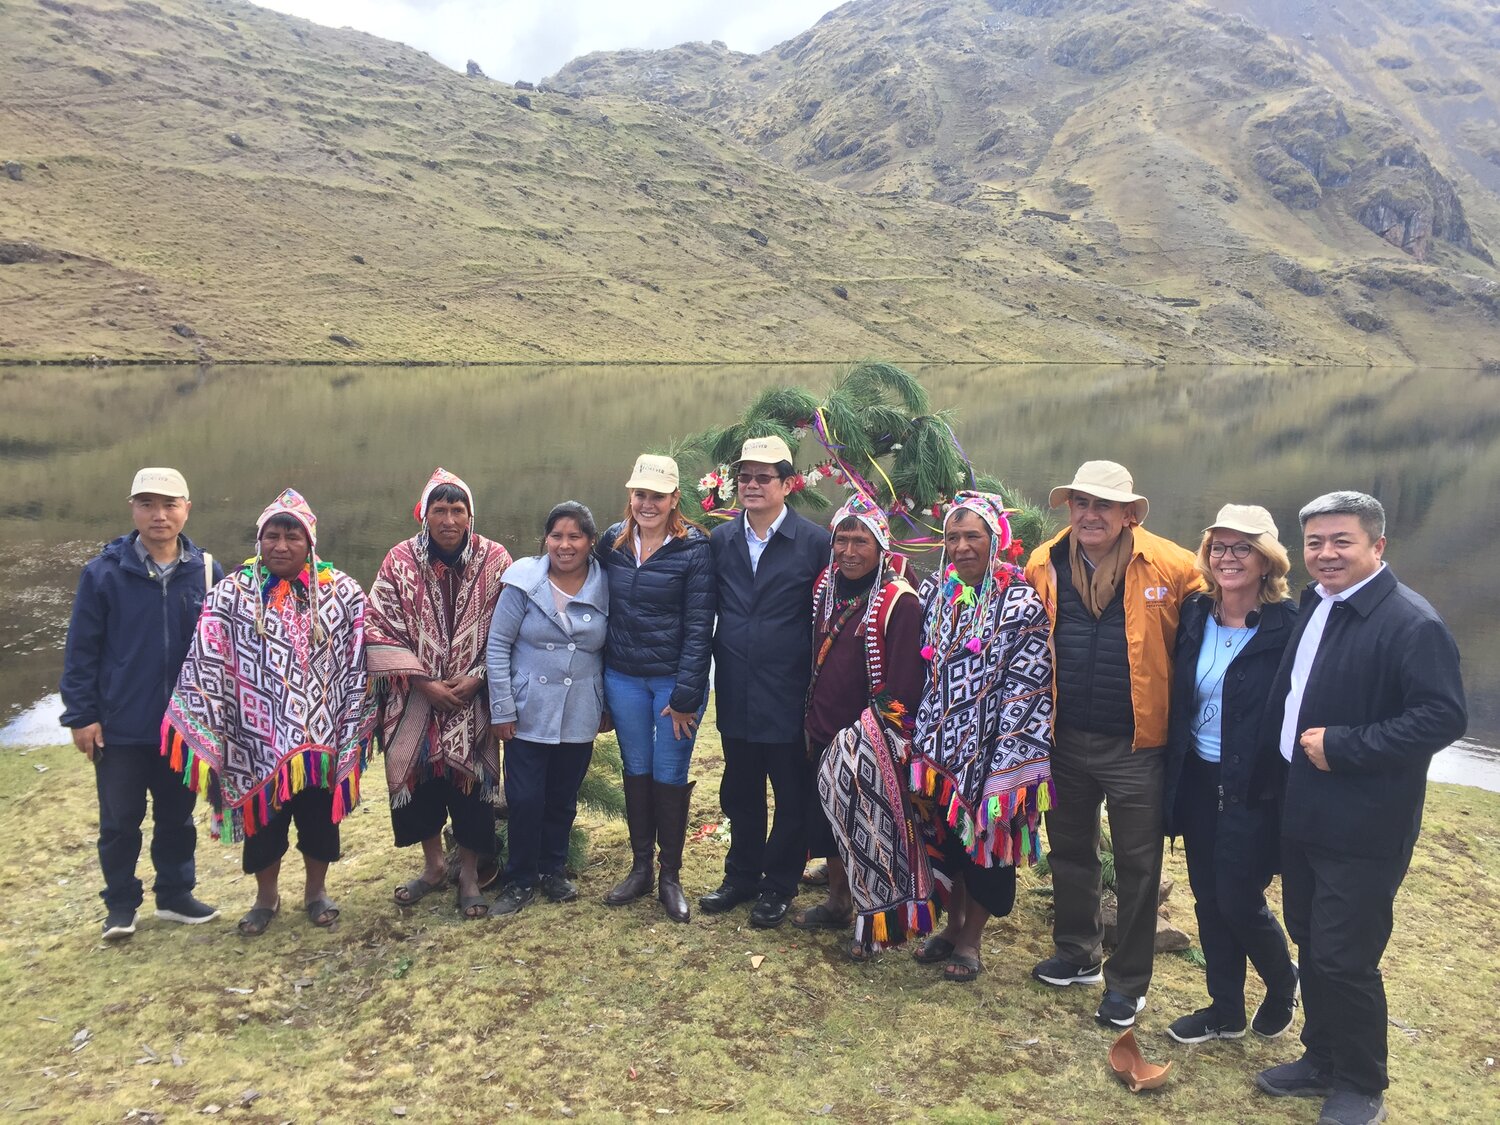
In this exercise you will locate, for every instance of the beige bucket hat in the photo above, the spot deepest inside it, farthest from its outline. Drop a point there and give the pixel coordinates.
(1106, 480)
(765, 450)
(654, 473)
(1248, 519)
(159, 482)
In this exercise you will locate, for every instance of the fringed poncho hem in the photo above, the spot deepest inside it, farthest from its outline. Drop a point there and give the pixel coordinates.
(1002, 830)
(304, 767)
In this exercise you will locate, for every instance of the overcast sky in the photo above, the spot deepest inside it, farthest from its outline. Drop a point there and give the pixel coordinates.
(529, 39)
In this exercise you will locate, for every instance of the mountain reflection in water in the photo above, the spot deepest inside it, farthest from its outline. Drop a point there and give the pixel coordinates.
(360, 443)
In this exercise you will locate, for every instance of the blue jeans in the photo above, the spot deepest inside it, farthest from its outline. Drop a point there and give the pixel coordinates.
(647, 744)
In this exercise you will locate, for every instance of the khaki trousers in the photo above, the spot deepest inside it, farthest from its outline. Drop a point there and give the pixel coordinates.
(1087, 770)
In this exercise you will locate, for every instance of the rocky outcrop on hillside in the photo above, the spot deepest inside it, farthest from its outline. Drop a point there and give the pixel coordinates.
(1184, 124)
(1393, 188)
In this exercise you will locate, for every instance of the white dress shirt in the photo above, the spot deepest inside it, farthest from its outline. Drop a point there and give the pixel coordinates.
(757, 545)
(1307, 652)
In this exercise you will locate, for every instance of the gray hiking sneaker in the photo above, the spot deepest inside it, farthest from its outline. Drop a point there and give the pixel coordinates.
(1300, 1079)
(1345, 1107)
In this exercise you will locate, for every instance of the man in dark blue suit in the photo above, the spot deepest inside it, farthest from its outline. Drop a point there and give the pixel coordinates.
(1367, 692)
(767, 560)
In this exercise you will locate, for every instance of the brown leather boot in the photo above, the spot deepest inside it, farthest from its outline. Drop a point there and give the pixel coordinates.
(641, 819)
(672, 802)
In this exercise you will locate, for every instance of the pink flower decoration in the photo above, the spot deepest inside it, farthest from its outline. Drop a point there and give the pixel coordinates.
(927, 652)
(708, 503)
(972, 644)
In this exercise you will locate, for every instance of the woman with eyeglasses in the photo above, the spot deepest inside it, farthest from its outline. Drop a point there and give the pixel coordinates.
(1222, 787)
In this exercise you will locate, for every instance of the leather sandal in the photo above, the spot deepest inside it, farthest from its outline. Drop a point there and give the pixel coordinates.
(257, 919)
(416, 890)
(822, 917)
(962, 968)
(319, 907)
(933, 950)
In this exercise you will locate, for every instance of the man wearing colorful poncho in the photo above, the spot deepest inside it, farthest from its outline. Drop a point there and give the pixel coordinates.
(980, 770)
(430, 612)
(270, 715)
(866, 680)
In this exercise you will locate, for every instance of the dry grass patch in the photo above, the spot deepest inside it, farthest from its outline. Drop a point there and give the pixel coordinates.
(581, 1010)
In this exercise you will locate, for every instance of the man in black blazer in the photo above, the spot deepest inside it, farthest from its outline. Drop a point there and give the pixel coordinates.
(767, 560)
(1367, 692)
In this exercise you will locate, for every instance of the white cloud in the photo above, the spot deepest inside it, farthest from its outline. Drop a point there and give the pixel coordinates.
(529, 39)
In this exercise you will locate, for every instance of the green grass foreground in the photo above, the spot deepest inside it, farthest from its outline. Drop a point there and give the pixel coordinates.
(584, 1011)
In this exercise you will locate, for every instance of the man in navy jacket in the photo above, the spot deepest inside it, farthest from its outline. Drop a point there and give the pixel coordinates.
(133, 619)
(767, 560)
(1367, 692)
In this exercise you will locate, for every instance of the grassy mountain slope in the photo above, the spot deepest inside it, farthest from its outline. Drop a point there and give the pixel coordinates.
(1178, 150)
(202, 179)
(270, 185)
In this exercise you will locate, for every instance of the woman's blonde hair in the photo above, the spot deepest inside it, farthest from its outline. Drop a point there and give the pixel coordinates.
(1273, 587)
(677, 524)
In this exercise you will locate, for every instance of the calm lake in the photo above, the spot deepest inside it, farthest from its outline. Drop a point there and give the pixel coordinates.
(360, 443)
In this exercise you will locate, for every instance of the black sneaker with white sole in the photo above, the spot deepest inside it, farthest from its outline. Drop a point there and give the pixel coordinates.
(187, 910)
(119, 925)
(1274, 1017)
(1205, 1024)
(1060, 972)
(1119, 1010)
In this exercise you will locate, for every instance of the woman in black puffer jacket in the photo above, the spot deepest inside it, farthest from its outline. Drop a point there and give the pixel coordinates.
(662, 598)
(1222, 783)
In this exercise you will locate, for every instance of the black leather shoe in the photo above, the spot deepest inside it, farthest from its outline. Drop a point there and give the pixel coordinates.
(770, 911)
(727, 897)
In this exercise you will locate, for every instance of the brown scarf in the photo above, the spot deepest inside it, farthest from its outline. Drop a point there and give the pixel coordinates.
(1098, 590)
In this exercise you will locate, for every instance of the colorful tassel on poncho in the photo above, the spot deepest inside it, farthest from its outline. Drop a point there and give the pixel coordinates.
(981, 765)
(263, 708)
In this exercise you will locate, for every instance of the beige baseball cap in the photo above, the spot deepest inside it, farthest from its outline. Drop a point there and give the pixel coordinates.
(656, 474)
(1106, 480)
(766, 450)
(159, 482)
(1248, 519)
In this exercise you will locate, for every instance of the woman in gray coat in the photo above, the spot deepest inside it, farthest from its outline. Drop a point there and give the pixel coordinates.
(546, 671)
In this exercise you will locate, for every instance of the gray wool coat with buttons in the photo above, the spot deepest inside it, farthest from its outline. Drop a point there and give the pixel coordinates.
(547, 679)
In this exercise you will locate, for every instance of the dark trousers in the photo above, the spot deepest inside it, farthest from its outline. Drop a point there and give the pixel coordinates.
(317, 834)
(437, 801)
(1088, 769)
(541, 787)
(1229, 871)
(123, 776)
(757, 861)
(1339, 912)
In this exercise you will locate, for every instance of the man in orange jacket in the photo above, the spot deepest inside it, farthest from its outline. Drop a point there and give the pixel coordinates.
(1113, 591)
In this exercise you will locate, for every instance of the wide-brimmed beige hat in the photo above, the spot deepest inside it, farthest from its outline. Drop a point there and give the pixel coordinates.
(654, 473)
(1107, 481)
(159, 482)
(765, 450)
(1248, 519)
